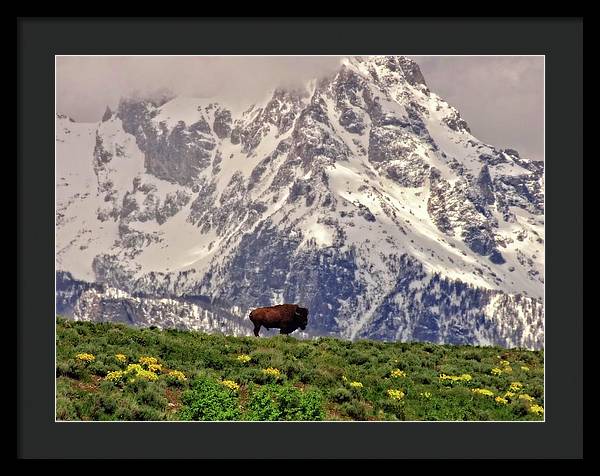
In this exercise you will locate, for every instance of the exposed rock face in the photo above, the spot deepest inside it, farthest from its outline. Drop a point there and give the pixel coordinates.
(64, 117)
(412, 72)
(456, 123)
(462, 314)
(101, 155)
(107, 114)
(322, 278)
(462, 208)
(363, 197)
(176, 155)
(523, 191)
(100, 303)
(222, 123)
(278, 115)
(483, 194)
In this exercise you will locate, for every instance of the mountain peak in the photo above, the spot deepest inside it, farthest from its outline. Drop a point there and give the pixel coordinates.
(361, 195)
(391, 68)
(107, 114)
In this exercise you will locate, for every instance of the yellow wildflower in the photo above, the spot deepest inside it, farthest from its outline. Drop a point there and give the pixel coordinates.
(177, 374)
(154, 367)
(536, 409)
(515, 386)
(148, 360)
(231, 385)
(272, 372)
(509, 395)
(425, 394)
(134, 368)
(121, 357)
(243, 358)
(137, 371)
(356, 384)
(526, 397)
(456, 378)
(114, 376)
(483, 391)
(496, 371)
(85, 357)
(344, 378)
(397, 373)
(147, 375)
(396, 394)
(524, 368)
(501, 400)
(132, 372)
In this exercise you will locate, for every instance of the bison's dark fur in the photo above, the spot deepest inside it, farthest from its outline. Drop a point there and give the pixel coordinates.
(286, 317)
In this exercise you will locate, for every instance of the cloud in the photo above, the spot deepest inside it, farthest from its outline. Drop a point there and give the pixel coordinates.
(86, 85)
(500, 97)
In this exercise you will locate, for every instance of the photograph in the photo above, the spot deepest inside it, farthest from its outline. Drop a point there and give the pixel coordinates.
(299, 238)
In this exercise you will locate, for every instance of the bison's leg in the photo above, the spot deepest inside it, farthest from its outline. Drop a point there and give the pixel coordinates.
(287, 330)
(256, 329)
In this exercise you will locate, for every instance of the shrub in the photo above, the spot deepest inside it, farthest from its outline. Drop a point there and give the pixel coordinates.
(262, 406)
(68, 368)
(214, 359)
(341, 395)
(284, 402)
(323, 376)
(65, 409)
(152, 396)
(208, 400)
(356, 357)
(355, 409)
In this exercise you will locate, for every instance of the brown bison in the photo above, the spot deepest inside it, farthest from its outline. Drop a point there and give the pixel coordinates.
(286, 317)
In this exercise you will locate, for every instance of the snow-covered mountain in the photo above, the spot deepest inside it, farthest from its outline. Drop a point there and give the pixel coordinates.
(363, 196)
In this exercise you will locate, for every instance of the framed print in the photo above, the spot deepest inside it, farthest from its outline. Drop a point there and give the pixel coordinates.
(348, 239)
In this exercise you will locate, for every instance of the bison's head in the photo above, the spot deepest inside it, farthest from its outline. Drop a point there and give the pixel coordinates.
(301, 316)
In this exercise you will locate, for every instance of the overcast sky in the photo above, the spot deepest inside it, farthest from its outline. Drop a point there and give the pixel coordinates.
(501, 97)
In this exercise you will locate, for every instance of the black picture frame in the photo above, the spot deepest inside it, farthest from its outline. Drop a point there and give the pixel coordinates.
(560, 40)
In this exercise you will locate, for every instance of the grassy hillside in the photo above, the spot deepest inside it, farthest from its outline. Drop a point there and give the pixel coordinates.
(113, 372)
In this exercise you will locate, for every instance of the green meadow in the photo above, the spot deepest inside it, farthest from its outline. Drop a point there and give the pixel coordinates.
(113, 372)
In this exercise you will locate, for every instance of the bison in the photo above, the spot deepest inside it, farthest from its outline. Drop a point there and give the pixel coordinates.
(286, 317)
